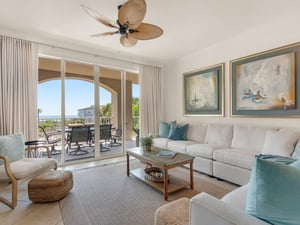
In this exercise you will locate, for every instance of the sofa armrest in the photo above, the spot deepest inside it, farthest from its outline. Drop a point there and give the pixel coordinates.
(206, 210)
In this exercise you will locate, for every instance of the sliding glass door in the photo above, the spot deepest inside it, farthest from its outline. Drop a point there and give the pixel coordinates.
(93, 110)
(79, 112)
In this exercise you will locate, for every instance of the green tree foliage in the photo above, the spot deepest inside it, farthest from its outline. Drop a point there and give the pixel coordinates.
(105, 110)
(135, 106)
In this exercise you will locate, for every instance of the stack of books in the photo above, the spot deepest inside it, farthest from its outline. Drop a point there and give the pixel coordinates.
(166, 154)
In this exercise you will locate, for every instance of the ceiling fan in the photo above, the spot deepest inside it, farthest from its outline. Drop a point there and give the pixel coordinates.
(129, 23)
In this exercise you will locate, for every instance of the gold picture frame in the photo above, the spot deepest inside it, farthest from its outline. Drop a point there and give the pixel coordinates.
(204, 91)
(265, 84)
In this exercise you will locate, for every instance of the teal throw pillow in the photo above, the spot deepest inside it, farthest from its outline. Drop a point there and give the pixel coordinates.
(178, 132)
(12, 146)
(296, 152)
(296, 164)
(164, 129)
(274, 192)
(277, 158)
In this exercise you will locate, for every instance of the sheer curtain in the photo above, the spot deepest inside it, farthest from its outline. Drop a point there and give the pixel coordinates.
(150, 103)
(18, 87)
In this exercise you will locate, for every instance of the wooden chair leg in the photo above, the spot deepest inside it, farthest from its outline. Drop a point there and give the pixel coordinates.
(14, 196)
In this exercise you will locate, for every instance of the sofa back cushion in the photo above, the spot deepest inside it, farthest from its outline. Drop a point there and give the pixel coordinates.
(280, 142)
(12, 146)
(250, 138)
(197, 133)
(219, 134)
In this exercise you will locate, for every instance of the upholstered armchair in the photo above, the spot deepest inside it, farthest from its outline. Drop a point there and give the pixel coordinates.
(15, 167)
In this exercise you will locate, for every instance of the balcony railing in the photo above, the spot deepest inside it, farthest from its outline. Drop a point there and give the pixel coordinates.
(54, 123)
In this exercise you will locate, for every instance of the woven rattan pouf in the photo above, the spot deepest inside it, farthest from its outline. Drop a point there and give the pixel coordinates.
(173, 213)
(51, 186)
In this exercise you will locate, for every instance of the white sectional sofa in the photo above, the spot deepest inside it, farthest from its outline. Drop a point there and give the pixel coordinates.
(227, 151)
(206, 209)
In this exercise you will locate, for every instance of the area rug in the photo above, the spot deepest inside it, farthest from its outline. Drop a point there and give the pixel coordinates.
(104, 195)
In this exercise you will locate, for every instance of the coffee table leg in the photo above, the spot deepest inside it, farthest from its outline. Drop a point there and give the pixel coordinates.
(127, 156)
(191, 175)
(166, 184)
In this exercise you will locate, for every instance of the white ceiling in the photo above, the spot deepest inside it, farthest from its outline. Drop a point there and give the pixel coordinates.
(189, 25)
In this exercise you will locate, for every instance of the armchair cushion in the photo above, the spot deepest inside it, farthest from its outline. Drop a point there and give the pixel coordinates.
(12, 146)
(28, 167)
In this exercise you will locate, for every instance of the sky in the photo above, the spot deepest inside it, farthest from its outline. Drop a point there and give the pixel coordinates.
(79, 94)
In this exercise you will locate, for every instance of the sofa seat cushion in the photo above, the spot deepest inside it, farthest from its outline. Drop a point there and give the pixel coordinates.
(237, 198)
(236, 157)
(160, 142)
(179, 146)
(202, 150)
(28, 167)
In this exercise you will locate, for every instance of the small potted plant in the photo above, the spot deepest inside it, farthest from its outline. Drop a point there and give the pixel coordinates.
(147, 142)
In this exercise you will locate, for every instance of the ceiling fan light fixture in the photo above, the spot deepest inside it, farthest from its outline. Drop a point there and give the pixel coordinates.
(128, 41)
(129, 23)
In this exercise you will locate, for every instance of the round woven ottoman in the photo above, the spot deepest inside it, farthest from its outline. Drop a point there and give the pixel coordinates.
(51, 186)
(173, 213)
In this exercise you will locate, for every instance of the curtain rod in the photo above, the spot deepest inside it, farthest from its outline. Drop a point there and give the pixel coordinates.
(82, 52)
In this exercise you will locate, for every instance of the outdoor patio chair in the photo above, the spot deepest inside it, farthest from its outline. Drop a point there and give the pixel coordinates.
(15, 167)
(105, 137)
(52, 138)
(78, 135)
(115, 135)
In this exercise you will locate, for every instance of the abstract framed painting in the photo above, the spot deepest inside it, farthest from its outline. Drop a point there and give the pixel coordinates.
(204, 91)
(265, 84)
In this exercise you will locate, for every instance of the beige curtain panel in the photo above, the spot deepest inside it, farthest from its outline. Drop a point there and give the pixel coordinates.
(18, 87)
(150, 100)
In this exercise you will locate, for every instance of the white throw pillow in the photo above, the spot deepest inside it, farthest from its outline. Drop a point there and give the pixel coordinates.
(280, 143)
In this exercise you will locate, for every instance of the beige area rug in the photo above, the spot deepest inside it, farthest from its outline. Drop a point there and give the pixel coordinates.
(104, 195)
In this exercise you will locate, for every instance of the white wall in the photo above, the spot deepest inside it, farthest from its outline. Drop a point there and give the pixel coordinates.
(281, 32)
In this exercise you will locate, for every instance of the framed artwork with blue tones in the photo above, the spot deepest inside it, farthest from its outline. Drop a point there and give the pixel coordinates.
(265, 84)
(204, 91)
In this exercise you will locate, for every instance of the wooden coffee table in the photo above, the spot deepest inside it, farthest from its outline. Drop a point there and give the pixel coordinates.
(170, 184)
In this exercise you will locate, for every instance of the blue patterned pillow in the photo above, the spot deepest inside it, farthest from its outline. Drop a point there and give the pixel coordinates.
(274, 192)
(12, 146)
(178, 132)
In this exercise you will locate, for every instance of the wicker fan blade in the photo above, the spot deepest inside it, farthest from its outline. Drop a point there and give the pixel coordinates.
(128, 41)
(100, 18)
(133, 13)
(147, 31)
(105, 34)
